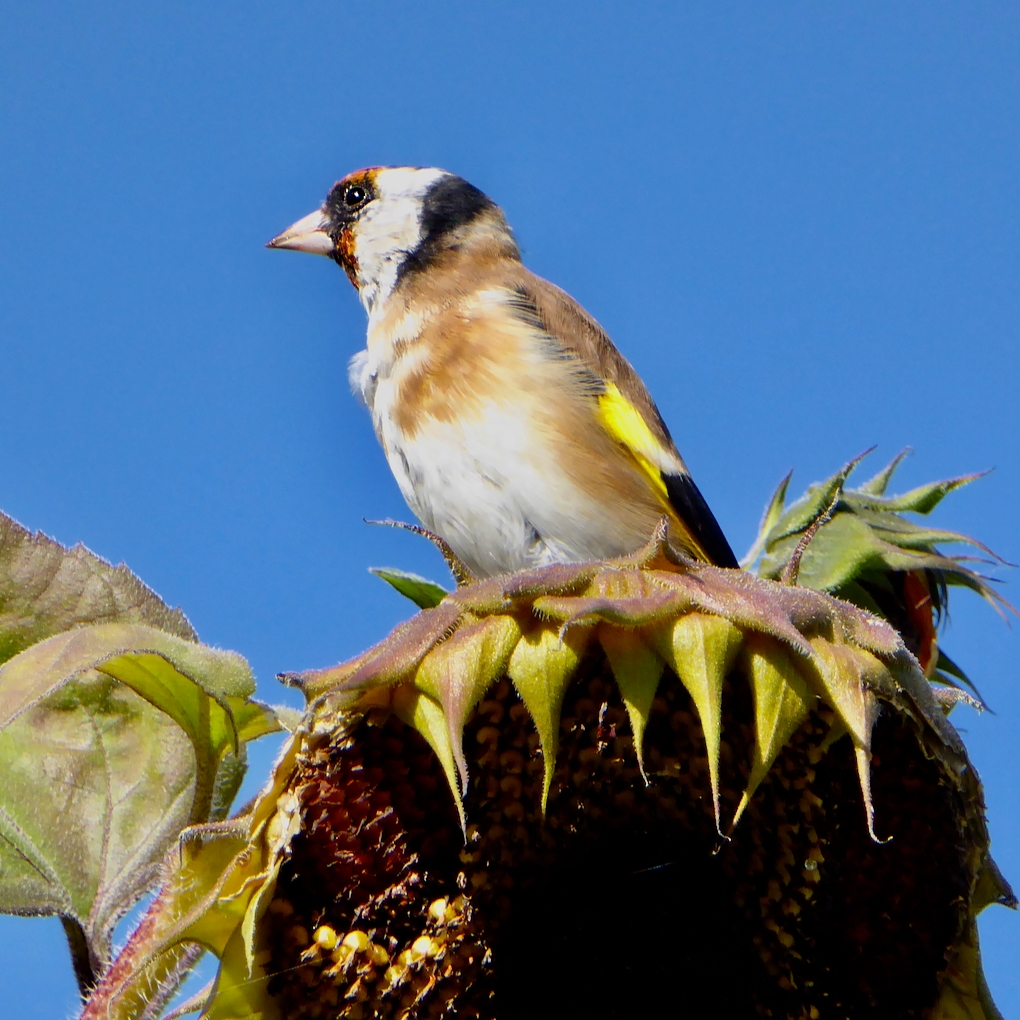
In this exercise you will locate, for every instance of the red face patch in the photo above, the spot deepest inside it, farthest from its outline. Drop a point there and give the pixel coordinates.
(345, 248)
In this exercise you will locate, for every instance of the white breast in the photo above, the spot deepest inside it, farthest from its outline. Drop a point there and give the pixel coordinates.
(490, 487)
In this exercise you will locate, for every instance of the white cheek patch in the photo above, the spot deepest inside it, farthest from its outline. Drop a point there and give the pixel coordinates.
(389, 229)
(385, 235)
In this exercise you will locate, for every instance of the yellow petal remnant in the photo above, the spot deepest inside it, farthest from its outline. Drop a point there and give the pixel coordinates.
(701, 650)
(541, 667)
(426, 716)
(782, 700)
(638, 670)
(848, 676)
(460, 670)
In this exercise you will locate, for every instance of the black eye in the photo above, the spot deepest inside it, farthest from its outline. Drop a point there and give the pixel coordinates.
(354, 196)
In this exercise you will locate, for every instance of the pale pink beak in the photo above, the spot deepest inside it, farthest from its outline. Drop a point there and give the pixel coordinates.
(308, 234)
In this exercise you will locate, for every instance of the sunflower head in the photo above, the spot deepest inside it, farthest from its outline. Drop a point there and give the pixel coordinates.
(589, 789)
(598, 789)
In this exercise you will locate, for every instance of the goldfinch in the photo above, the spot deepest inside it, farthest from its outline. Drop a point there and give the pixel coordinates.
(515, 429)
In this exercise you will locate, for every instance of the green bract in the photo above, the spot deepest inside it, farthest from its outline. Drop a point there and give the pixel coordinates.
(867, 552)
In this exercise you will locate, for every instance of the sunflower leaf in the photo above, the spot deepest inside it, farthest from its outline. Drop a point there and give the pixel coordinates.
(46, 589)
(951, 672)
(814, 503)
(841, 549)
(121, 723)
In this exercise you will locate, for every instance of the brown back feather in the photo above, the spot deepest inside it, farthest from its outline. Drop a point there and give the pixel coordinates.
(576, 330)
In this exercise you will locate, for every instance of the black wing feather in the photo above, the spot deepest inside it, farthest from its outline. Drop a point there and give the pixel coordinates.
(692, 509)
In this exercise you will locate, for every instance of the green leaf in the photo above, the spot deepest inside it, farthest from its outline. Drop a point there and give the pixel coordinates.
(289, 718)
(46, 589)
(801, 513)
(948, 666)
(949, 672)
(97, 784)
(188, 910)
(423, 593)
(859, 596)
(848, 548)
(113, 738)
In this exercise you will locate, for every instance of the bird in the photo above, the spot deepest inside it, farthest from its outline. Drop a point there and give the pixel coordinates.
(515, 429)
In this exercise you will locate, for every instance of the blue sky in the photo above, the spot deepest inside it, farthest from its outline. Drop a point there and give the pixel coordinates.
(799, 221)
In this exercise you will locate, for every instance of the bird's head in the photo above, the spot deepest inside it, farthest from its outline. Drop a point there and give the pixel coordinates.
(385, 224)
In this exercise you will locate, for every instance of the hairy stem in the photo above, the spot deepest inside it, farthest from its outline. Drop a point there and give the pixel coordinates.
(81, 958)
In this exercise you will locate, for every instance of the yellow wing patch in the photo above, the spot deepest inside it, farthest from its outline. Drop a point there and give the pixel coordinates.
(624, 422)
